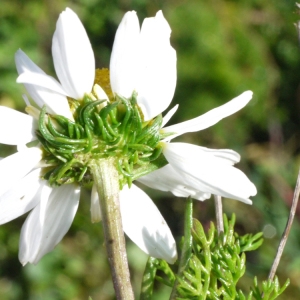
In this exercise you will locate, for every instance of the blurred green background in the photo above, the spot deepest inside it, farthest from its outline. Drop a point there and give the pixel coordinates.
(223, 49)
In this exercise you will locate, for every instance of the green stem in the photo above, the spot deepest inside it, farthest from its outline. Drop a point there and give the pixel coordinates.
(187, 245)
(106, 179)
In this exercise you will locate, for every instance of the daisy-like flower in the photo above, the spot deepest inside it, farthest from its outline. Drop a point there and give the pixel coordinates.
(80, 118)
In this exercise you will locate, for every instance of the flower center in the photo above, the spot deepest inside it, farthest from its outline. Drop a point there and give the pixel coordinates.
(101, 129)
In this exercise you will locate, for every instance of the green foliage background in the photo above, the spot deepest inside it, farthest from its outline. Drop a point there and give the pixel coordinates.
(224, 47)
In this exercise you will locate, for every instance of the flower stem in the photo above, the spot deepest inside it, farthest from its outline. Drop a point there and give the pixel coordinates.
(106, 179)
(219, 213)
(287, 230)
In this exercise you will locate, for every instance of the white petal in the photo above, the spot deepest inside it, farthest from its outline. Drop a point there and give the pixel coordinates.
(209, 173)
(16, 127)
(100, 94)
(25, 64)
(145, 226)
(43, 89)
(226, 155)
(21, 198)
(170, 180)
(157, 78)
(41, 80)
(95, 206)
(48, 223)
(31, 232)
(167, 179)
(210, 118)
(169, 115)
(124, 56)
(16, 166)
(73, 56)
(21, 147)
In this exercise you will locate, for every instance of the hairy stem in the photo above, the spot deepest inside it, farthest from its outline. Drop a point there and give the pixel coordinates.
(107, 183)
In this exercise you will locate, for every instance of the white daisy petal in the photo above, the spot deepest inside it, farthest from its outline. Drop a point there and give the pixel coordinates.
(16, 127)
(95, 206)
(209, 173)
(123, 61)
(32, 229)
(227, 155)
(100, 94)
(43, 89)
(41, 80)
(50, 221)
(145, 226)
(170, 180)
(16, 166)
(169, 115)
(73, 56)
(21, 198)
(157, 78)
(167, 179)
(210, 118)
(25, 64)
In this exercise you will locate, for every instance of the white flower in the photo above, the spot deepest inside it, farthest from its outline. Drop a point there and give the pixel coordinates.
(143, 61)
(53, 208)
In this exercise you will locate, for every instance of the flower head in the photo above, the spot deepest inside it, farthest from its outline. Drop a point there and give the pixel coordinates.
(82, 118)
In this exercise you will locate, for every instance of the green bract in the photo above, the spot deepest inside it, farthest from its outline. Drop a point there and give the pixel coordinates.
(101, 129)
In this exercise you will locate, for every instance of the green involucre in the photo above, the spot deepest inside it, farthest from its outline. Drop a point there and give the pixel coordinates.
(100, 130)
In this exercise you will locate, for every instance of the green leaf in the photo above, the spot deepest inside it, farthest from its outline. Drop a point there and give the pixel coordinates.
(148, 278)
